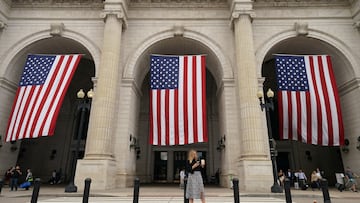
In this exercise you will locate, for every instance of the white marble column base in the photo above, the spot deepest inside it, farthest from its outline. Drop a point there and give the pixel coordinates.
(125, 180)
(101, 172)
(255, 176)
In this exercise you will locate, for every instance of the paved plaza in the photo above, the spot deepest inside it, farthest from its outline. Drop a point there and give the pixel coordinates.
(169, 194)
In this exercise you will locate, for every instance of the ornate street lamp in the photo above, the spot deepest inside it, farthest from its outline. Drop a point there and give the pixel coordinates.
(83, 106)
(269, 105)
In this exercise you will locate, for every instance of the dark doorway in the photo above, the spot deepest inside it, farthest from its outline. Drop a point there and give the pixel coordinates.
(160, 166)
(283, 161)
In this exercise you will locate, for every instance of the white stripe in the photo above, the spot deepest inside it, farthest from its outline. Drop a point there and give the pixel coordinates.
(303, 116)
(58, 94)
(49, 99)
(285, 115)
(22, 111)
(171, 118)
(154, 117)
(10, 135)
(181, 101)
(332, 102)
(314, 121)
(41, 96)
(199, 87)
(162, 117)
(322, 102)
(294, 115)
(29, 112)
(190, 101)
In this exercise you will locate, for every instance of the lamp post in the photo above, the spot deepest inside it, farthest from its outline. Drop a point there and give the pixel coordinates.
(275, 188)
(83, 106)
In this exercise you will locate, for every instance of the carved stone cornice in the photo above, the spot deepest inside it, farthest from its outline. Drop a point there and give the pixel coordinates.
(302, 3)
(57, 3)
(178, 3)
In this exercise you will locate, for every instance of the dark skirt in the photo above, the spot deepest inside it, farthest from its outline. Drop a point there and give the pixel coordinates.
(195, 186)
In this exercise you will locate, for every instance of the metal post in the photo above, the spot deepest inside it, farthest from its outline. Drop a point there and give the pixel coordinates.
(236, 190)
(1, 184)
(86, 190)
(287, 190)
(36, 190)
(325, 190)
(185, 184)
(72, 187)
(275, 188)
(136, 190)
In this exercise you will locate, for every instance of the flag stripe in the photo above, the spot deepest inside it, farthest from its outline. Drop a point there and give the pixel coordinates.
(182, 109)
(308, 100)
(40, 94)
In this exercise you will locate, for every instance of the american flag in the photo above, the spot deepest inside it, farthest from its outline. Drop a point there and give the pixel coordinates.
(308, 100)
(177, 100)
(40, 94)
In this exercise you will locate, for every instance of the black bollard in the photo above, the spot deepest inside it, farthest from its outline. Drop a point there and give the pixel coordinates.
(287, 190)
(86, 190)
(136, 190)
(36, 190)
(236, 190)
(325, 190)
(1, 184)
(185, 184)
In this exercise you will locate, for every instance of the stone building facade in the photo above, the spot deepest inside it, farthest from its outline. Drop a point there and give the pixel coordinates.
(116, 37)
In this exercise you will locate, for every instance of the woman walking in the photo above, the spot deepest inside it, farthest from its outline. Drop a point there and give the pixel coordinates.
(195, 185)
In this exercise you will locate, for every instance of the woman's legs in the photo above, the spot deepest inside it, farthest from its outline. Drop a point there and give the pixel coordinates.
(202, 197)
(191, 200)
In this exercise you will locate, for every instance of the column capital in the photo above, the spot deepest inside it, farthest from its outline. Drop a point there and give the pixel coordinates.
(240, 8)
(357, 25)
(119, 14)
(117, 8)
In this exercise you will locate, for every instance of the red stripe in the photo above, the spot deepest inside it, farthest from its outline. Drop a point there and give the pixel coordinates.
(57, 111)
(290, 134)
(337, 101)
(61, 80)
(167, 117)
(308, 117)
(32, 88)
(176, 115)
(186, 130)
(318, 105)
(203, 79)
(21, 97)
(151, 127)
(327, 102)
(12, 113)
(158, 109)
(32, 110)
(298, 105)
(194, 96)
(46, 94)
(281, 117)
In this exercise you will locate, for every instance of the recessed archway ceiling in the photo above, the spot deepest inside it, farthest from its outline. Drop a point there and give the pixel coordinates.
(311, 46)
(179, 46)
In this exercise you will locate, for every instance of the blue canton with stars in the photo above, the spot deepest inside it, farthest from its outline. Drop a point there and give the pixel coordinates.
(164, 72)
(36, 70)
(291, 73)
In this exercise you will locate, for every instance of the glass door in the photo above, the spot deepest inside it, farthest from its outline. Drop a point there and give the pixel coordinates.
(160, 166)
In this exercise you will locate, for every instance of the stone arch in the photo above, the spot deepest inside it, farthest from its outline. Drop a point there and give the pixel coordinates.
(336, 44)
(223, 71)
(344, 65)
(25, 43)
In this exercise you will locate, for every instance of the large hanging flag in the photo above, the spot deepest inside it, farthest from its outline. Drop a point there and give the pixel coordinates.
(177, 100)
(40, 94)
(308, 100)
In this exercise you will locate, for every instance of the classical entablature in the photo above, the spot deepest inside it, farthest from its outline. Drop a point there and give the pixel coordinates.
(179, 3)
(57, 3)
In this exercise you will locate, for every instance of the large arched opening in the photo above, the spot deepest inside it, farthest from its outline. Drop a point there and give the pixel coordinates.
(296, 155)
(163, 163)
(45, 154)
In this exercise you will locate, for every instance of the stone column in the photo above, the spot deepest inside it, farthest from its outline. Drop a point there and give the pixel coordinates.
(99, 162)
(255, 166)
